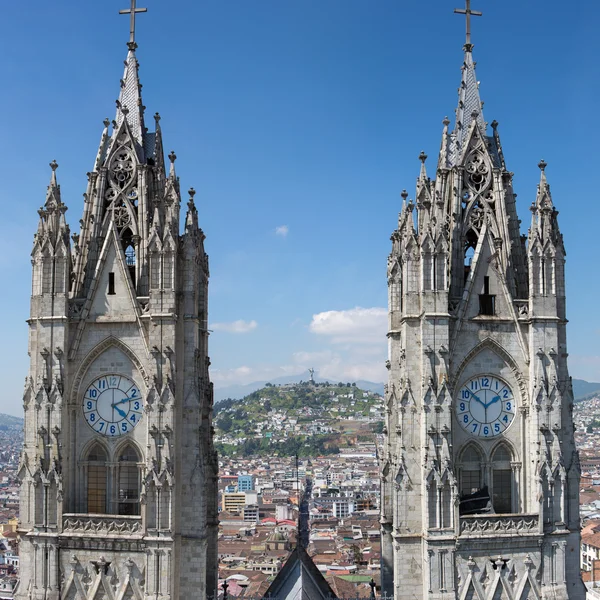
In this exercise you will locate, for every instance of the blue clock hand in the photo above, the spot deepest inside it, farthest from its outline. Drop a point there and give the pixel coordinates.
(122, 413)
(122, 401)
(476, 398)
(492, 401)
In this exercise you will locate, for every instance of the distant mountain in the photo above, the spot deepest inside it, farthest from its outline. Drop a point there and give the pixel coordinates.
(582, 389)
(237, 392)
(10, 422)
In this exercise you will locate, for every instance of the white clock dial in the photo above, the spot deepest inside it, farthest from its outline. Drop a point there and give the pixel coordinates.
(112, 405)
(485, 406)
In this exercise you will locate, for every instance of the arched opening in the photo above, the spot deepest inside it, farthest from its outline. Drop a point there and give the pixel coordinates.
(128, 243)
(502, 480)
(470, 244)
(97, 472)
(474, 495)
(470, 479)
(128, 478)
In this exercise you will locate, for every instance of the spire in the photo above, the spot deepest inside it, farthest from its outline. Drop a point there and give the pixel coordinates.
(544, 223)
(102, 146)
(129, 104)
(53, 200)
(172, 159)
(52, 215)
(470, 107)
(191, 218)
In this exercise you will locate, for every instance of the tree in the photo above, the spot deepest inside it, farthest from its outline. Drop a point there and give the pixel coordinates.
(225, 423)
(377, 427)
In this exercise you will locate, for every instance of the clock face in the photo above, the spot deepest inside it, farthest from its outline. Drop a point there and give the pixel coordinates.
(112, 405)
(485, 406)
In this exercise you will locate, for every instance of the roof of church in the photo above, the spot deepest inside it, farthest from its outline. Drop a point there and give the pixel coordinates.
(300, 579)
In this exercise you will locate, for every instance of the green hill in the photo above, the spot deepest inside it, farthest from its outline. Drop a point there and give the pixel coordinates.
(309, 419)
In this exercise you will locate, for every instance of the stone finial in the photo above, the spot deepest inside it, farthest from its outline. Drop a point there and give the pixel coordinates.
(54, 165)
(157, 117)
(542, 165)
(446, 122)
(106, 122)
(474, 115)
(404, 195)
(494, 124)
(172, 156)
(423, 156)
(192, 193)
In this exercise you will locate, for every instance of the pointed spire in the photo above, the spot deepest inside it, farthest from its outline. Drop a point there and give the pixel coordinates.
(544, 198)
(470, 107)
(52, 215)
(129, 104)
(191, 217)
(103, 145)
(444, 147)
(53, 193)
(423, 173)
(159, 153)
(172, 159)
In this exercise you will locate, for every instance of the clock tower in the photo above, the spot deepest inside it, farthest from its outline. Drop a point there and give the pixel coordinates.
(118, 473)
(480, 475)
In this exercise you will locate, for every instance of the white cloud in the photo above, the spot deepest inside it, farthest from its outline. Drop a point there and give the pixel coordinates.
(356, 325)
(282, 230)
(235, 326)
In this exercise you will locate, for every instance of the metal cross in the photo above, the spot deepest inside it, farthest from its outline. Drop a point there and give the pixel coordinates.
(467, 11)
(132, 11)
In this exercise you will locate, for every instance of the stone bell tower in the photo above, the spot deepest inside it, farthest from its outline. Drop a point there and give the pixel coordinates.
(118, 472)
(480, 475)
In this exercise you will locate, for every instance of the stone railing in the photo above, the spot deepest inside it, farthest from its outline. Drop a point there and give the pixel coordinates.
(102, 524)
(499, 524)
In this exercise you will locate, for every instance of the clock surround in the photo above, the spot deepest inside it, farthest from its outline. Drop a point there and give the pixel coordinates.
(485, 406)
(112, 405)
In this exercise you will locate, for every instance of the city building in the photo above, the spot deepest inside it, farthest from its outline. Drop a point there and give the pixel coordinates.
(234, 502)
(118, 473)
(245, 483)
(480, 470)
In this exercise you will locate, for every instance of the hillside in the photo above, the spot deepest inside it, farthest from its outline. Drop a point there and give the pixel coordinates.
(11, 423)
(306, 418)
(241, 391)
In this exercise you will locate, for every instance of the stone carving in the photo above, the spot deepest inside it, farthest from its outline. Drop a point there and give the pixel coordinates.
(101, 525)
(496, 524)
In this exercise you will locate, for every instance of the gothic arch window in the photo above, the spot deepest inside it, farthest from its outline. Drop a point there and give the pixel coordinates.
(470, 243)
(128, 242)
(97, 477)
(470, 470)
(440, 271)
(502, 480)
(128, 481)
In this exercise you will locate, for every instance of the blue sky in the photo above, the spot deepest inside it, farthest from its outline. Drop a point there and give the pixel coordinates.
(299, 123)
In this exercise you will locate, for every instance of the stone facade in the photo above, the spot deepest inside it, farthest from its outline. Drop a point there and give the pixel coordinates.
(118, 472)
(479, 399)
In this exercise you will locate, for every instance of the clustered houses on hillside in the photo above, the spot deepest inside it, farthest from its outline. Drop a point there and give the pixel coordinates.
(278, 413)
(258, 526)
